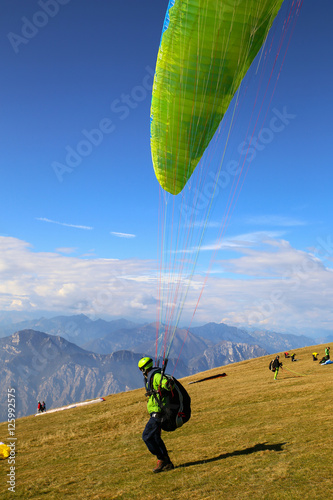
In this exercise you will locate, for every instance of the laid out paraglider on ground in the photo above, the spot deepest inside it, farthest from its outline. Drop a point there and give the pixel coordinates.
(327, 362)
(69, 407)
(212, 377)
(4, 451)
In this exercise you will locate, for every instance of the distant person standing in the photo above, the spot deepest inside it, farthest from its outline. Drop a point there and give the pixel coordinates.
(327, 353)
(276, 366)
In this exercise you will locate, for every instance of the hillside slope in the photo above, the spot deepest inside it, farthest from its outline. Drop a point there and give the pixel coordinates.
(249, 437)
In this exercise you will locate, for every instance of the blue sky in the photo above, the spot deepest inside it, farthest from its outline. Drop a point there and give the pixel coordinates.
(79, 199)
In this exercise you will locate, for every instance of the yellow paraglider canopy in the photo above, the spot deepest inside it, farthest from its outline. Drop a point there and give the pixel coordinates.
(4, 451)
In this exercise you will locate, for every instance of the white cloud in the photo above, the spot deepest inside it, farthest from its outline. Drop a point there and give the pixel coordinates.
(66, 250)
(51, 281)
(241, 241)
(294, 303)
(275, 258)
(122, 235)
(274, 220)
(44, 219)
(271, 284)
(276, 286)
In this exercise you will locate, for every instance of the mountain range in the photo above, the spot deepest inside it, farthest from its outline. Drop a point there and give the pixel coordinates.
(44, 365)
(104, 337)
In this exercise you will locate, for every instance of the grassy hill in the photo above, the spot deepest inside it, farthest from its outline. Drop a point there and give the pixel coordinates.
(249, 437)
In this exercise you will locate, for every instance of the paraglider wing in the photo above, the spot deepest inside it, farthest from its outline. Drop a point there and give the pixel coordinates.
(206, 48)
(4, 451)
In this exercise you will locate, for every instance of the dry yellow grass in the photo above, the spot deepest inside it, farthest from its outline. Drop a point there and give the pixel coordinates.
(249, 437)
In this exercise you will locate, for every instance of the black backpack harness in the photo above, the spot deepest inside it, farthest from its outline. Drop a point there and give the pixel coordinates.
(176, 410)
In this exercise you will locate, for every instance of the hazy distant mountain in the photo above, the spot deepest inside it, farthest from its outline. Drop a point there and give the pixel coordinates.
(216, 332)
(270, 341)
(143, 339)
(78, 328)
(124, 338)
(187, 345)
(224, 353)
(104, 337)
(325, 340)
(279, 342)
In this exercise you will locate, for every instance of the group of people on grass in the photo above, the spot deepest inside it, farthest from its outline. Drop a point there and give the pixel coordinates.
(325, 358)
(291, 356)
(276, 364)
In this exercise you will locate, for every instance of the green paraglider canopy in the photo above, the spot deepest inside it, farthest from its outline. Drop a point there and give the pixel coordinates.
(206, 48)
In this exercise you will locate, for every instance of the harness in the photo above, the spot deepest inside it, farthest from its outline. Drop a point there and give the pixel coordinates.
(158, 394)
(152, 392)
(176, 409)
